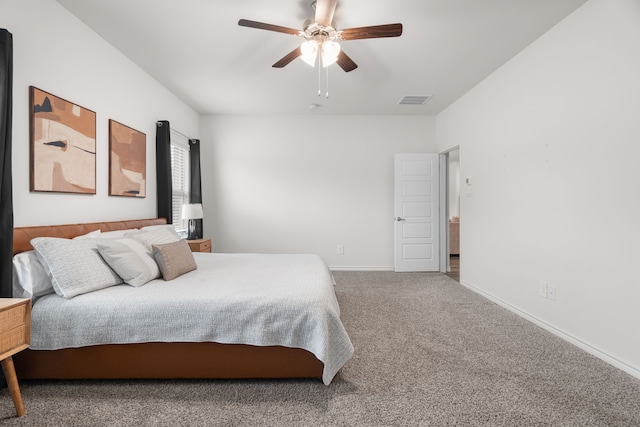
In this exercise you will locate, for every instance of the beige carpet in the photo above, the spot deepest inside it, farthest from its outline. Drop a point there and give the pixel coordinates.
(428, 352)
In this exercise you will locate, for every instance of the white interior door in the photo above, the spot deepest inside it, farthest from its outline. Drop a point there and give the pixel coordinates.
(417, 209)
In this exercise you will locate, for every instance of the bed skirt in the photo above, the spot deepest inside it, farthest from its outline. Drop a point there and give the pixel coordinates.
(168, 360)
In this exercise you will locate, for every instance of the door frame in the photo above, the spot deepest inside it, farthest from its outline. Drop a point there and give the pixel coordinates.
(444, 209)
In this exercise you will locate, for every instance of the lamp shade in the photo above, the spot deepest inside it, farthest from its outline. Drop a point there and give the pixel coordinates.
(309, 51)
(192, 211)
(330, 52)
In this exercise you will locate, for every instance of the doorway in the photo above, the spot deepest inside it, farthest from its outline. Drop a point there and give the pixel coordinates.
(450, 208)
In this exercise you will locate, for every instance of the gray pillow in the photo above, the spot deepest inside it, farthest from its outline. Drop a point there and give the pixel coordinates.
(153, 237)
(174, 259)
(167, 227)
(130, 260)
(74, 266)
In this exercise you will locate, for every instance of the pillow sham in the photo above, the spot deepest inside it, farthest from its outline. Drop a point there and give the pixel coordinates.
(174, 259)
(91, 234)
(116, 234)
(153, 237)
(30, 280)
(130, 260)
(168, 227)
(74, 266)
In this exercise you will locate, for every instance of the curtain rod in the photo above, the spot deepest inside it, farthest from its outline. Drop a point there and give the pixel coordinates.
(179, 133)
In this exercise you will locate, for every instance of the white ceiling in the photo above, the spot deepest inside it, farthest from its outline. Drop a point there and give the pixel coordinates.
(197, 50)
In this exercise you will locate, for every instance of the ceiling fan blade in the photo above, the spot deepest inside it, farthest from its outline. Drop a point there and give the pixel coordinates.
(345, 62)
(288, 58)
(268, 27)
(324, 12)
(372, 32)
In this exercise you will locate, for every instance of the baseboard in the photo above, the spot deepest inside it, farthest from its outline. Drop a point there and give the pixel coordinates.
(361, 268)
(635, 372)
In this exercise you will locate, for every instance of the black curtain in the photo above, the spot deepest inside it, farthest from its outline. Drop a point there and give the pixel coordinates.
(195, 186)
(6, 195)
(163, 170)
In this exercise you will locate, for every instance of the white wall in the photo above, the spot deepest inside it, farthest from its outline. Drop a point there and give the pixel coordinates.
(57, 53)
(306, 183)
(552, 142)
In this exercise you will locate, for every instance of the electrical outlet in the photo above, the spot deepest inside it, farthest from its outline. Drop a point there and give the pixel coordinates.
(340, 250)
(543, 289)
(551, 293)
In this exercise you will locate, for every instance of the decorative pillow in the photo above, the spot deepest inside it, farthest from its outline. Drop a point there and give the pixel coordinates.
(116, 234)
(74, 266)
(153, 237)
(89, 235)
(29, 278)
(168, 227)
(174, 259)
(130, 260)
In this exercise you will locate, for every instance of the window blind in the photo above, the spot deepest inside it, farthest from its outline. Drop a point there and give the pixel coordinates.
(180, 177)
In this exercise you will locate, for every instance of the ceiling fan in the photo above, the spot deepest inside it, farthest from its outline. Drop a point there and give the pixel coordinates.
(322, 37)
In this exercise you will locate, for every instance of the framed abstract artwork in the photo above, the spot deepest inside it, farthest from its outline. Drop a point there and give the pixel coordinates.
(63, 145)
(127, 161)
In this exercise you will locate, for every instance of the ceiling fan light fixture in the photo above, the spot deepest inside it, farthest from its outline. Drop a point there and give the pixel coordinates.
(309, 51)
(329, 52)
(322, 28)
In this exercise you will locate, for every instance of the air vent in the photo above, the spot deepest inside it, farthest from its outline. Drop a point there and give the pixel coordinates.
(415, 100)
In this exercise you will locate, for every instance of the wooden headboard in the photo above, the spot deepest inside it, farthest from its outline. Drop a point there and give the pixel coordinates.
(22, 235)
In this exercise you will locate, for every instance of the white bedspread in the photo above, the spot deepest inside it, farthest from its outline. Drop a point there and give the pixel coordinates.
(256, 299)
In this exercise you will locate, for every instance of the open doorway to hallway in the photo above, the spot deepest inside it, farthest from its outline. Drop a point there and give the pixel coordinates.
(454, 268)
(452, 210)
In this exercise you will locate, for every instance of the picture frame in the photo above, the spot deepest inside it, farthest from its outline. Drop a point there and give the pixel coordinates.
(127, 161)
(62, 153)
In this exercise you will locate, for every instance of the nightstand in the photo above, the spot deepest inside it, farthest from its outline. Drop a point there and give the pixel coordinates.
(15, 332)
(200, 245)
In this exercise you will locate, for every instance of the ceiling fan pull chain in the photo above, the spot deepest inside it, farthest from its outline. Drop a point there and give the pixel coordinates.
(319, 77)
(327, 82)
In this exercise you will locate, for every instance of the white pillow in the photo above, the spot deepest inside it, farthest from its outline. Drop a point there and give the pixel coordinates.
(168, 227)
(89, 235)
(30, 280)
(74, 266)
(130, 260)
(153, 237)
(116, 234)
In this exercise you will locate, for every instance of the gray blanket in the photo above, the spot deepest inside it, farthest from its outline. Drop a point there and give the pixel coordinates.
(255, 299)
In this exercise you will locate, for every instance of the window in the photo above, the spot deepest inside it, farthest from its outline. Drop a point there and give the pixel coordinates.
(180, 178)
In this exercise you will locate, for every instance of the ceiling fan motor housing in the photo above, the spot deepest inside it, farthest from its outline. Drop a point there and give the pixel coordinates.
(314, 31)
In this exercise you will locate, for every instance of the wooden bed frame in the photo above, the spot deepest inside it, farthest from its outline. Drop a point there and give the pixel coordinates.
(154, 360)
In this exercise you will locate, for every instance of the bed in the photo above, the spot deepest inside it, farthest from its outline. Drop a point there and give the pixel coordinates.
(234, 316)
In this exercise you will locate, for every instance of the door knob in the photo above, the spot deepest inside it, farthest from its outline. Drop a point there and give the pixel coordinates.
(399, 219)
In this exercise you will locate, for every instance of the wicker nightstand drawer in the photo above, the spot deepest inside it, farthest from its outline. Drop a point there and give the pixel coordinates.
(15, 326)
(13, 339)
